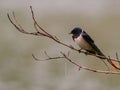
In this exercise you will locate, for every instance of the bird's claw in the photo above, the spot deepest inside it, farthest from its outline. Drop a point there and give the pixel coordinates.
(79, 50)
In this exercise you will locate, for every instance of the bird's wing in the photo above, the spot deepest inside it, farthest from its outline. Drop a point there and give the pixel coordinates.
(87, 37)
(91, 42)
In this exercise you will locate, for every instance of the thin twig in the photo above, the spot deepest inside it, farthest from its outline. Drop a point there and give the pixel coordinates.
(49, 58)
(86, 68)
(39, 31)
(35, 22)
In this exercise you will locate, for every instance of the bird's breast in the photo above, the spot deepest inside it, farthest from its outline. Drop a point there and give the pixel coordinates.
(83, 43)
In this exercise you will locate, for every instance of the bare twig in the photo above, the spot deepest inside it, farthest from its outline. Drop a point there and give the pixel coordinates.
(110, 61)
(39, 31)
(79, 66)
(49, 58)
(86, 68)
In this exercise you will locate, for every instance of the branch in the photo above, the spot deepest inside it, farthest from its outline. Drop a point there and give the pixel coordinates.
(49, 58)
(39, 31)
(66, 57)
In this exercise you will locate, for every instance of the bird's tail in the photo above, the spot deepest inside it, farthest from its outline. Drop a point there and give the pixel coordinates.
(102, 56)
(98, 52)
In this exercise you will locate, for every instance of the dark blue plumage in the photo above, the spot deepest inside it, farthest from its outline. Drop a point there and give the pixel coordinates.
(85, 41)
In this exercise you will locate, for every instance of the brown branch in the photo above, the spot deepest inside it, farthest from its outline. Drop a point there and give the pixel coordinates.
(39, 31)
(66, 57)
(86, 68)
(49, 58)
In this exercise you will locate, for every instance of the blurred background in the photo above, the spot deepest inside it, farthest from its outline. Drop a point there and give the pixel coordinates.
(19, 71)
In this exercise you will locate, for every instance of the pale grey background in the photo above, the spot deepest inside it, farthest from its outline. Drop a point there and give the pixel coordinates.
(19, 71)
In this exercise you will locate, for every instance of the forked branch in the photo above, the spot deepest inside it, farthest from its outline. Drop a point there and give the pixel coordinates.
(39, 31)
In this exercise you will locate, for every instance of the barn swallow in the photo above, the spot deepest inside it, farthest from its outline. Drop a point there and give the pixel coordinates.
(85, 41)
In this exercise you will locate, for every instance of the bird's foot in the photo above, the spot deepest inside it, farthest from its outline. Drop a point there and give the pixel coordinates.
(80, 50)
(87, 53)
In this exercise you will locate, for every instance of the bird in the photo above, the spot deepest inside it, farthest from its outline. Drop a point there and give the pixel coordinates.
(85, 42)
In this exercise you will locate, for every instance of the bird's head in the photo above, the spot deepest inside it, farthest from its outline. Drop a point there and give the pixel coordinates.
(76, 32)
